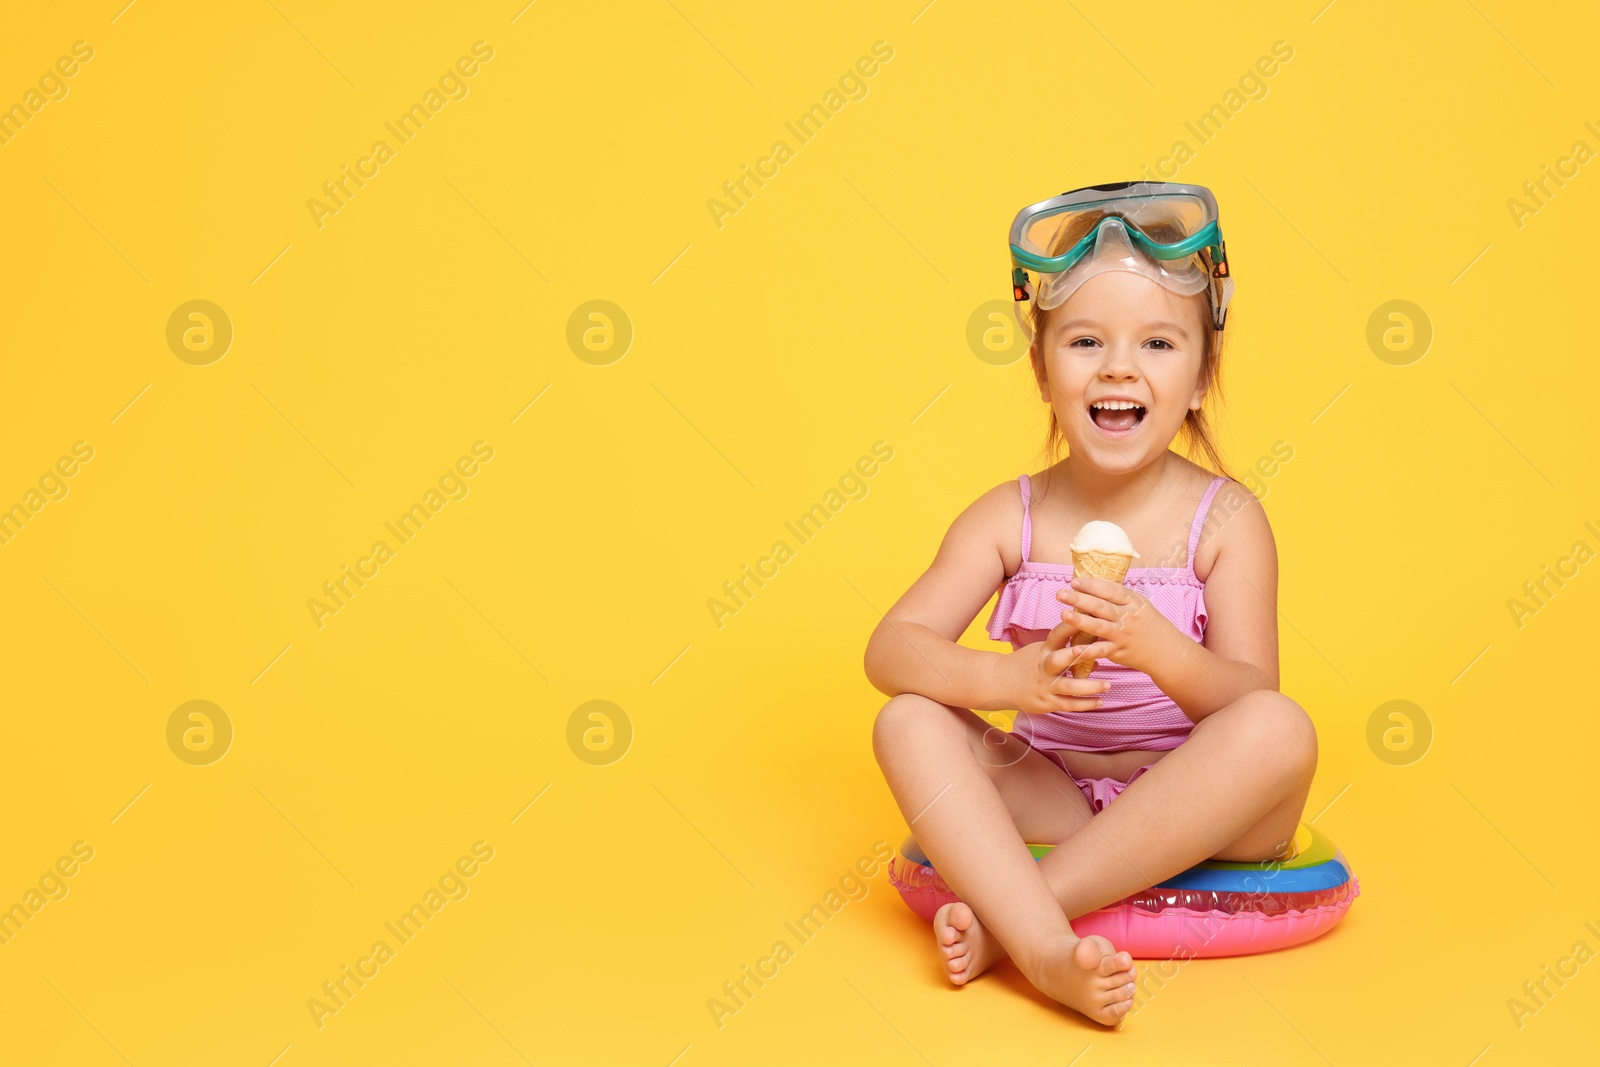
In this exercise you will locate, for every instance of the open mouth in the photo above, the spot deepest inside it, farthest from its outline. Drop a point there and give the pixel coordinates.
(1116, 417)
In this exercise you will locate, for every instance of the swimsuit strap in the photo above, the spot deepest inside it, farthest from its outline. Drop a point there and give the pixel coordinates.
(1027, 518)
(1200, 517)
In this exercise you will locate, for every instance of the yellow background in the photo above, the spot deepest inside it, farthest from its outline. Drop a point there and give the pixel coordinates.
(768, 355)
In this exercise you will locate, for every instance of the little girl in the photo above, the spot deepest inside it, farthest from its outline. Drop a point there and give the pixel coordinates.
(1181, 722)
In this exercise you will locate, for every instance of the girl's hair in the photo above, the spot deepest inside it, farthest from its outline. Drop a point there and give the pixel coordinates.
(1196, 431)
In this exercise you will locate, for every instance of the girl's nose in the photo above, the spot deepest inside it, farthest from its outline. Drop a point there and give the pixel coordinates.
(1119, 362)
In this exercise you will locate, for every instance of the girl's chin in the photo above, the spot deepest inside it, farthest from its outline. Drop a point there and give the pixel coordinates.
(1112, 455)
(1110, 462)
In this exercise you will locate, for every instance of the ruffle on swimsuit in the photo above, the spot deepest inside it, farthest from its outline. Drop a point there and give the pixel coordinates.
(1028, 608)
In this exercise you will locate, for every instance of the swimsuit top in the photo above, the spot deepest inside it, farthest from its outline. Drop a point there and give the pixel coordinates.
(1135, 713)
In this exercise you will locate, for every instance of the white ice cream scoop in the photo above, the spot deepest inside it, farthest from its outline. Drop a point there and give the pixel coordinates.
(1098, 536)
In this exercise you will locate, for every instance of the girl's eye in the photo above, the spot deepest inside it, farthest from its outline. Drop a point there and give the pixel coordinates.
(1083, 341)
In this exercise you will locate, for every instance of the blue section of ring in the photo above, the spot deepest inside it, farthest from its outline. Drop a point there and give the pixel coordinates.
(1283, 880)
(1327, 875)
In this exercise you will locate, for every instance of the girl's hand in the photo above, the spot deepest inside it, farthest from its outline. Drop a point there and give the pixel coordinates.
(1126, 627)
(1037, 678)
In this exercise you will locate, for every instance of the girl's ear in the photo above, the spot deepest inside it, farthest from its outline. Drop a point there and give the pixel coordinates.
(1040, 375)
(1199, 397)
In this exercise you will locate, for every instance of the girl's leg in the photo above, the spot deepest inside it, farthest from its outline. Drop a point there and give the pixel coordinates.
(1234, 790)
(961, 821)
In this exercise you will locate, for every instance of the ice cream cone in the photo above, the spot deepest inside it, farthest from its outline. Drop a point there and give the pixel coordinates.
(1111, 566)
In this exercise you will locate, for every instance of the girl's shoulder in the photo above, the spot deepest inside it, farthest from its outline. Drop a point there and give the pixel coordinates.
(1235, 521)
(995, 518)
(1003, 514)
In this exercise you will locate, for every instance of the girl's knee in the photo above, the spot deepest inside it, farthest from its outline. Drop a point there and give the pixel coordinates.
(1273, 725)
(909, 715)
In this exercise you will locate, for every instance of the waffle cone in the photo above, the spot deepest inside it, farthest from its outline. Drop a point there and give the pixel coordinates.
(1111, 566)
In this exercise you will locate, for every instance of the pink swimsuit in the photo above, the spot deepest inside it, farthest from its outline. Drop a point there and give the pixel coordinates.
(1136, 714)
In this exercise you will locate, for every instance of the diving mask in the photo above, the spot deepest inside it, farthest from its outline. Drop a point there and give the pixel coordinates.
(1164, 231)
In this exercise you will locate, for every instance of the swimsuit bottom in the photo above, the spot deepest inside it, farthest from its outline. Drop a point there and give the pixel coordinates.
(1098, 791)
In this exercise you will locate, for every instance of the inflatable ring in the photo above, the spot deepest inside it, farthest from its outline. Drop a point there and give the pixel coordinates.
(1216, 908)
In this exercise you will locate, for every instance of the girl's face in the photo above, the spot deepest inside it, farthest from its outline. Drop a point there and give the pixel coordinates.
(1120, 336)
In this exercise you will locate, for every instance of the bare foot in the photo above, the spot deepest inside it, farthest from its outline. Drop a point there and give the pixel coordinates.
(967, 948)
(1088, 975)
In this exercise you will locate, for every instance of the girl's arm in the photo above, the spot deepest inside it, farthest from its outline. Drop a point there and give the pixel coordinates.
(914, 649)
(1240, 653)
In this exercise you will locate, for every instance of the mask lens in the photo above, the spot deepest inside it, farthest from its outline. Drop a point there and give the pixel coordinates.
(1164, 220)
(1133, 243)
(1113, 250)
(1168, 220)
